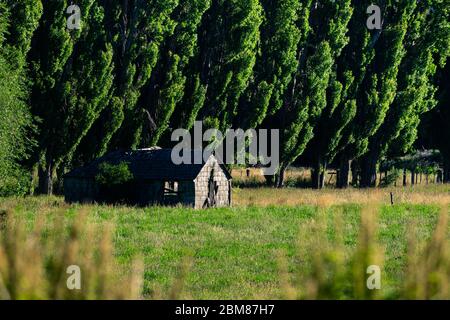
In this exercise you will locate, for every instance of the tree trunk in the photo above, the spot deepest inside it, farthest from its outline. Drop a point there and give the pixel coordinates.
(34, 180)
(46, 179)
(317, 175)
(369, 172)
(446, 175)
(315, 178)
(322, 174)
(413, 177)
(279, 178)
(354, 168)
(439, 176)
(342, 179)
(404, 177)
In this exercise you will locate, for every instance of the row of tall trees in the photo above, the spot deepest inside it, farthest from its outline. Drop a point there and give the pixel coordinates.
(339, 92)
(16, 121)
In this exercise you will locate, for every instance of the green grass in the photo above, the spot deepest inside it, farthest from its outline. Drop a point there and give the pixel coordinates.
(233, 251)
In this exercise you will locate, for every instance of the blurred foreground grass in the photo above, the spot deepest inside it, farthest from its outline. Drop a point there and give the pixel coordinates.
(317, 250)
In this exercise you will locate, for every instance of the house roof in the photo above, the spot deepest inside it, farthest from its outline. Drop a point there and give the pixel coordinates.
(145, 164)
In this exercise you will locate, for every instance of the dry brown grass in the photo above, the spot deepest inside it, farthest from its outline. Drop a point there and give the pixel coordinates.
(256, 173)
(304, 175)
(437, 194)
(428, 274)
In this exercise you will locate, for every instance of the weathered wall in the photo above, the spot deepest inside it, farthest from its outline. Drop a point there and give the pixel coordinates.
(146, 192)
(80, 190)
(151, 192)
(186, 189)
(191, 193)
(201, 185)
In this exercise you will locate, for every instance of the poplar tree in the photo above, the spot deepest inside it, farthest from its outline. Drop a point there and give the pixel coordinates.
(16, 29)
(353, 66)
(141, 29)
(275, 65)
(71, 74)
(382, 84)
(378, 87)
(307, 98)
(433, 133)
(427, 44)
(340, 106)
(25, 16)
(135, 30)
(168, 82)
(338, 92)
(228, 40)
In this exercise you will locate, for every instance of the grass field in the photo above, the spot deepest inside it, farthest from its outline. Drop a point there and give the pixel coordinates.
(260, 248)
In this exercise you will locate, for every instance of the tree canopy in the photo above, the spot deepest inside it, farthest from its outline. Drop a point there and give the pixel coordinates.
(135, 70)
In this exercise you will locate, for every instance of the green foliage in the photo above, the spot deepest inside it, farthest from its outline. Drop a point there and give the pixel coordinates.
(26, 15)
(432, 129)
(428, 45)
(329, 132)
(379, 87)
(390, 178)
(276, 62)
(15, 123)
(110, 175)
(15, 120)
(169, 78)
(415, 91)
(136, 70)
(71, 73)
(228, 41)
(318, 49)
(137, 32)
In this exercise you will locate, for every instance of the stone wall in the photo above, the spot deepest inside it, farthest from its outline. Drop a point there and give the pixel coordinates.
(191, 193)
(223, 197)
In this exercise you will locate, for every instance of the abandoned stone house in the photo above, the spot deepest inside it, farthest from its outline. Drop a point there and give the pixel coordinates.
(156, 181)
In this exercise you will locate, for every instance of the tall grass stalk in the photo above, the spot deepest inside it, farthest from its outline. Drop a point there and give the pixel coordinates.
(330, 271)
(33, 265)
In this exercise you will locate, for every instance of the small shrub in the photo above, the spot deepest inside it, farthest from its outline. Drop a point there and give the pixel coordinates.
(297, 182)
(252, 182)
(115, 183)
(114, 174)
(390, 178)
(14, 182)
